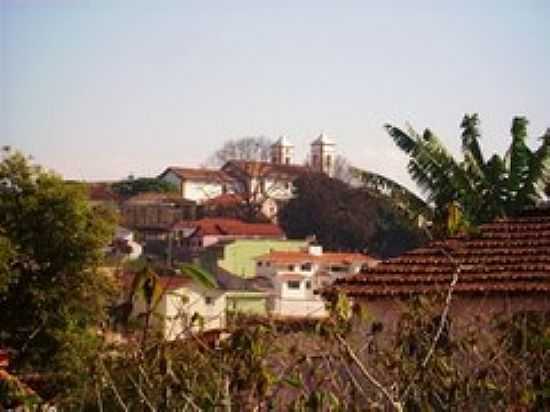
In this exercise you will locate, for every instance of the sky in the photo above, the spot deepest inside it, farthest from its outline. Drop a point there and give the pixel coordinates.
(98, 89)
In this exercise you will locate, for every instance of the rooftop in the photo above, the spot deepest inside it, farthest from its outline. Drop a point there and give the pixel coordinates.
(229, 227)
(325, 257)
(510, 255)
(199, 174)
(262, 169)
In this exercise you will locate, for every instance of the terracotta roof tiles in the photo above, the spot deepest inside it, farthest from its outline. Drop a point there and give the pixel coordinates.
(263, 169)
(326, 257)
(199, 174)
(509, 255)
(229, 227)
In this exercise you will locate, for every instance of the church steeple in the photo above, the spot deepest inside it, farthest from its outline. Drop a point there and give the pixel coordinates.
(323, 153)
(282, 151)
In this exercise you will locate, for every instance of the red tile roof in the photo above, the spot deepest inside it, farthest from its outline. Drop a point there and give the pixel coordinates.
(102, 192)
(200, 174)
(229, 227)
(262, 169)
(225, 200)
(326, 257)
(509, 255)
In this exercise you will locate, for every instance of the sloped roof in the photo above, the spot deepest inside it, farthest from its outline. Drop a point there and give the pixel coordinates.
(326, 258)
(510, 255)
(102, 192)
(264, 169)
(225, 200)
(148, 198)
(229, 227)
(198, 174)
(323, 139)
(282, 141)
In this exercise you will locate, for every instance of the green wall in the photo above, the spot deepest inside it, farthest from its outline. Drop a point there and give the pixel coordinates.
(247, 304)
(239, 255)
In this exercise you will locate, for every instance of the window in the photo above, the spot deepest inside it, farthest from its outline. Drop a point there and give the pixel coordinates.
(293, 284)
(291, 268)
(267, 264)
(306, 267)
(259, 263)
(308, 284)
(208, 300)
(339, 269)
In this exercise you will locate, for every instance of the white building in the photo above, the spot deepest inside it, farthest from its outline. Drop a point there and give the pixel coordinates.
(296, 275)
(323, 154)
(183, 307)
(198, 185)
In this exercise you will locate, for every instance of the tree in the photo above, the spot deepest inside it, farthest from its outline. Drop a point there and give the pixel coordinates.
(52, 293)
(256, 148)
(132, 186)
(346, 218)
(343, 170)
(478, 188)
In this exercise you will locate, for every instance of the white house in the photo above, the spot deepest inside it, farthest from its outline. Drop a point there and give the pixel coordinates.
(296, 275)
(184, 307)
(198, 185)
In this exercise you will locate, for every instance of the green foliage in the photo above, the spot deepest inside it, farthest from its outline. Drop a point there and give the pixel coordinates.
(53, 293)
(200, 275)
(482, 189)
(133, 186)
(346, 218)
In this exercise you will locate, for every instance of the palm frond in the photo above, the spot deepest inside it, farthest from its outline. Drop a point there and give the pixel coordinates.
(401, 197)
(199, 275)
(473, 156)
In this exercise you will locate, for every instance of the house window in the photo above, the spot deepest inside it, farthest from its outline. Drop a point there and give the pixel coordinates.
(267, 264)
(259, 263)
(293, 284)
(306, 267)
(308, 284)
(291, 268)
(208, 300)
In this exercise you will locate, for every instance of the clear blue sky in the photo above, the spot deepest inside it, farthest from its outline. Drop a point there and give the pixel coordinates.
(99, 89)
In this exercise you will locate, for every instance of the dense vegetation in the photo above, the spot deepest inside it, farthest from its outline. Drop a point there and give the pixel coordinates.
(52, 293)
(478, 187)
(346, 218)
(132, 186)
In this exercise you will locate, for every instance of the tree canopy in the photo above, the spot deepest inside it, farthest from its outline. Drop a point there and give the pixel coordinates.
(132, 186)
(52, 293)
(480, 188)
(245, 148)
(346, 218)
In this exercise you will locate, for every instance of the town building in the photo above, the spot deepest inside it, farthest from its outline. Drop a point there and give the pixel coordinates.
(503, 268)
(151, 214)
(188, 238)
(296, 275)
(199, 184)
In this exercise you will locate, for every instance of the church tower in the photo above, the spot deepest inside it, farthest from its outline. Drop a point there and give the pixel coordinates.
(323, 154)
(282, 151)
